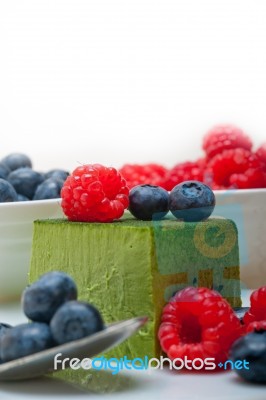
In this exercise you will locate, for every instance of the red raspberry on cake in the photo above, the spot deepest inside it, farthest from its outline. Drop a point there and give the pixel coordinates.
(231, 162)
(198, 323)
(225, 137)
(94, 193)
(138, 174)
(187, 171)
(257, 311)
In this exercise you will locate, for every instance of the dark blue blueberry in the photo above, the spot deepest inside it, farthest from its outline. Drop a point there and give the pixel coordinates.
(7, 192)
(191, 201)
(22, 198)
(57, 173)
(41, 299)
(25, 339)
(17, 160)
(75, 320)
(25, 181)
(4, 171)
(251, 348)
(148, 202)
(3, 329)
(49, 189)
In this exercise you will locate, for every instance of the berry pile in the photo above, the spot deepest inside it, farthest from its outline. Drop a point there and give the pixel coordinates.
(57, 317)
(225, 137)
(94, 193)
(187, 171)
(137, 174)
(19, 182)
(228, 163)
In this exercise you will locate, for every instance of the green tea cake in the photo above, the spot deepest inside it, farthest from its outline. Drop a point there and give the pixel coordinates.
(131, 268)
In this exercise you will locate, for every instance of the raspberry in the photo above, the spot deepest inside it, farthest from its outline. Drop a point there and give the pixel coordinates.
(256, 326)
(229, 162)
(94, 193)
(225, 137)
(257, 311)
(258, 299)
(252, 178)
(187, 171)
(261, 154)
(198, 322)
(137, 174)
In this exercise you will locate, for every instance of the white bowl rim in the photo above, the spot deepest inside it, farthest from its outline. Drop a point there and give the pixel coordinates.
(239, 192)
(30, 203)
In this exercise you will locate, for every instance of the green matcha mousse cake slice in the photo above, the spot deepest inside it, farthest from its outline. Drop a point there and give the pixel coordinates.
(131, 268)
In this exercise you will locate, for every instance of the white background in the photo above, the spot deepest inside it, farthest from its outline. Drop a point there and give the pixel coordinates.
(113, 81)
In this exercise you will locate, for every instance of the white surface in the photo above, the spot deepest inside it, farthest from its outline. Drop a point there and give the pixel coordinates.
(16, 228)
(80, 78)
(139, 385)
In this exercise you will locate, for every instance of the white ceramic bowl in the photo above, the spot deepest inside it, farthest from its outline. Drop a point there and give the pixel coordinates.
(16, 226)
(248, 209)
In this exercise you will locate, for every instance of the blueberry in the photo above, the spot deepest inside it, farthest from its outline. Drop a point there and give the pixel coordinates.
(148, 202)
(251, 348)
(25, 339)
(7, 192)
(25, 181)
(57, 173)
(3, 329)
(75, 320)
(41, 300)
(49, 189)
(4, 171)
(17, 160)
(192, 201)
(22, 198)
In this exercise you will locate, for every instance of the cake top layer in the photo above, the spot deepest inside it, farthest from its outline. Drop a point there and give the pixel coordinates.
(167, 223)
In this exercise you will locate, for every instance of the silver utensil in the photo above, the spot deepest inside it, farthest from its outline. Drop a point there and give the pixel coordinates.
(43, 362)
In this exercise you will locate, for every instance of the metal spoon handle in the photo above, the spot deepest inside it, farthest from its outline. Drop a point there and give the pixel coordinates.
(43, 362)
